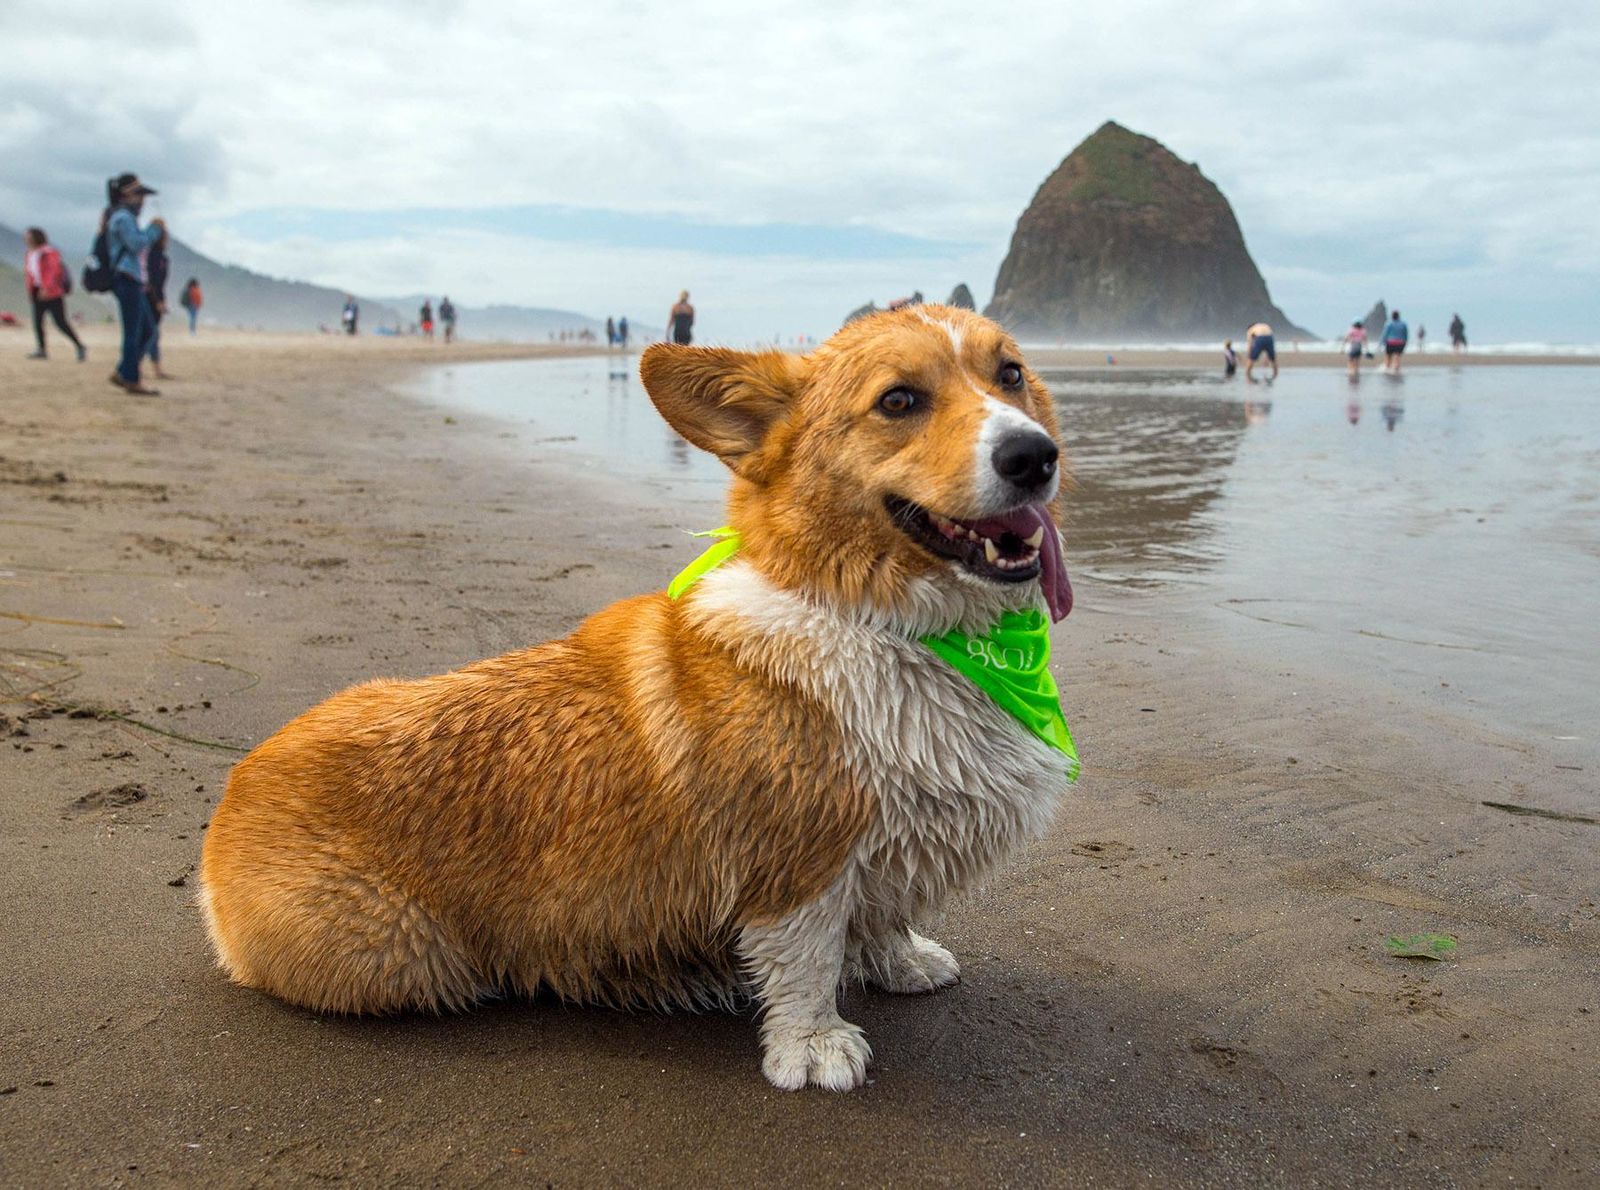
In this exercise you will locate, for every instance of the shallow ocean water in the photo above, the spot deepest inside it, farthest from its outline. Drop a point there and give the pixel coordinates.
(1439, 533)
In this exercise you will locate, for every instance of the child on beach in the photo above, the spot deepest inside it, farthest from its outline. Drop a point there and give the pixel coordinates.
(1230, 358)
(155, 294)
(48, 285)
(1355, 342)
(425, 316)
(192, 300)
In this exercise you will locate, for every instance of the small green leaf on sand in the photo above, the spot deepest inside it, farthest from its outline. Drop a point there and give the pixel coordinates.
(1421, 946)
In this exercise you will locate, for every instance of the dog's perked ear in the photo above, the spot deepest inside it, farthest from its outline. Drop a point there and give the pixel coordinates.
(723, 401)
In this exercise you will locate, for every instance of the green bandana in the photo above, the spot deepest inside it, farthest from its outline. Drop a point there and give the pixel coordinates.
(1010, 663)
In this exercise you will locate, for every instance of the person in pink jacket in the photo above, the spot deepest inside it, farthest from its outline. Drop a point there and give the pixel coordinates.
(48, 286)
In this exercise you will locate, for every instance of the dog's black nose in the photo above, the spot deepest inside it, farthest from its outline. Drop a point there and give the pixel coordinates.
(1027, 459)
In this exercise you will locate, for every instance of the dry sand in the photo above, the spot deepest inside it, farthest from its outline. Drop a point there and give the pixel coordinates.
(1186, 981)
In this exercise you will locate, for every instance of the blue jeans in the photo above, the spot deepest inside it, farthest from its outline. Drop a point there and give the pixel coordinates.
(136, 327)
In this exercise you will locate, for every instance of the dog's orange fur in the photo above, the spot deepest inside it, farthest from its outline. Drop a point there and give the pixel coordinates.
(601, 814)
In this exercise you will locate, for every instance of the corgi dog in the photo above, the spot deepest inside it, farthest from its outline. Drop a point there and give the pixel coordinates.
(756, 789)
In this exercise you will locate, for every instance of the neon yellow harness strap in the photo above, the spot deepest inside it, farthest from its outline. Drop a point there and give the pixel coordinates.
(1010, 663)
(727, 545)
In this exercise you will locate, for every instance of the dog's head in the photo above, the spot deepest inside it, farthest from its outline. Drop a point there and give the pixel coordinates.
(908, 467)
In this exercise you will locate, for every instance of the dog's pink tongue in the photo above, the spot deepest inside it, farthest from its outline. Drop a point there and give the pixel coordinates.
(1052, 569)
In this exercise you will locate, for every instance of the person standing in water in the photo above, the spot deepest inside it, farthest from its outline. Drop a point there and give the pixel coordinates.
(1259, 342)
(680, 322)
(1458, 333)
(1395, 335)
(125, 245)
(1230, 359)
(1355, 342)
(447, 315)
(48, 284)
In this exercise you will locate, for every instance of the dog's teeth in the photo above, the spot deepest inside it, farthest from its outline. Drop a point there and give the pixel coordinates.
(1038, 536)
(990, 551)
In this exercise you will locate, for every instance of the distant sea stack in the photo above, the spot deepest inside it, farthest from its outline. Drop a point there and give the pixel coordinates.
(1126, 242)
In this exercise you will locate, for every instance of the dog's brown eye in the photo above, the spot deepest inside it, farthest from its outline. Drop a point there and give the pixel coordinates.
(898, 402)
(1011, 375)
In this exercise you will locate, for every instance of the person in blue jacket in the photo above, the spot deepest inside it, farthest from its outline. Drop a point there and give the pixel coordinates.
(126, 242)
(1395, 334)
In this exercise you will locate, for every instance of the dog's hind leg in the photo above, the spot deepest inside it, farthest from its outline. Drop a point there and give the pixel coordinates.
(795, 964)
(318, 933)
(903, 961)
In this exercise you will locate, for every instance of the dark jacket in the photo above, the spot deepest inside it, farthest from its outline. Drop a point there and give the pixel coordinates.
(155, 274)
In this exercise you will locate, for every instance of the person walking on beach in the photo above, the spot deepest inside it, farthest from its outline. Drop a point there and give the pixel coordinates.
(611, 331)
(125, 244)
(680, 322)
(447, 315)
(1258, 340)
(622, 332)
(425, 316)
(1458, 333)
(48, 285)
(155, 295)
(1422, 339)
(1395, 335)
(192, 300)
(350, 314)
(1355, 342)
(1230, 359)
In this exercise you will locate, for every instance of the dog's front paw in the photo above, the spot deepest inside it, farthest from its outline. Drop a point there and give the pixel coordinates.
(834, 1058)
(913, 964)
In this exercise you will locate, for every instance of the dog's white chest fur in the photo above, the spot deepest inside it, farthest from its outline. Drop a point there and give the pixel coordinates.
(958, 782)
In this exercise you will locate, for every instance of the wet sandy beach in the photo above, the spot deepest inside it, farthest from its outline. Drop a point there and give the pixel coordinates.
(1187, 980)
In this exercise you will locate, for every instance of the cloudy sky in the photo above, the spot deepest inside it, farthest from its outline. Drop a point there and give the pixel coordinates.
(790, 163)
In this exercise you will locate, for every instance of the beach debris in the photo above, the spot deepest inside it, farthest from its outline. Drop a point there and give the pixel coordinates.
(27, 619)
(1537, 812)
(1437, 947)
(114, 797)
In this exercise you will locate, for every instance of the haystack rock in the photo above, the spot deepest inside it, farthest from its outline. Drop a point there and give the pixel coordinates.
(1374, 322)
(1126, 242)
(961, 298)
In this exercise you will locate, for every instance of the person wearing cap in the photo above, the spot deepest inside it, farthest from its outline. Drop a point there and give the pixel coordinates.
(126, 242)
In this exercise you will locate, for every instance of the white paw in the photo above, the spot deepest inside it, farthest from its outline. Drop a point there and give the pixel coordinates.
(834, 1058)
(921, 966)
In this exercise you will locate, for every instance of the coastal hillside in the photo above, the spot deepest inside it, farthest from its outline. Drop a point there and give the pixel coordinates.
(1124, 241)
(13, 292)
(240, 297)
(234, 296)
(517, 324)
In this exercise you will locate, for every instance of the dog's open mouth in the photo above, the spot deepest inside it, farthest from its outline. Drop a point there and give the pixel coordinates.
(1011, 548)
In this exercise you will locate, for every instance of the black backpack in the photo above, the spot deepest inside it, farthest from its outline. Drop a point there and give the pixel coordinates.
(97, 271)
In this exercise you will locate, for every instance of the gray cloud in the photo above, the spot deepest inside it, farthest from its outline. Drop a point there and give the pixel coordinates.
(1369, 149)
